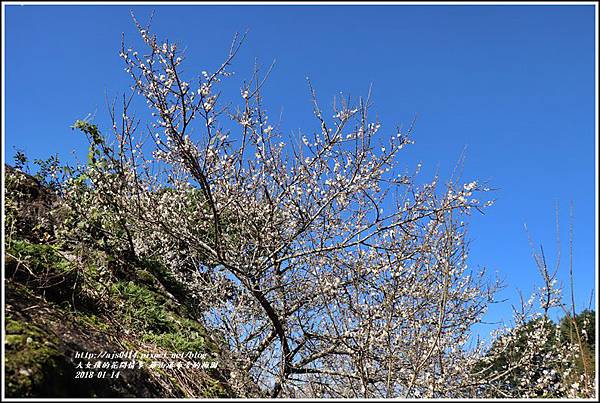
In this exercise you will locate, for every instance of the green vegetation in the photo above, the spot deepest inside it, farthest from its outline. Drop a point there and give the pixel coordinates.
(39, 258)
(97, 297)
(156, 318)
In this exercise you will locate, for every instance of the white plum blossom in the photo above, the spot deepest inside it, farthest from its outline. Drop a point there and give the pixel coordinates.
(323, 267)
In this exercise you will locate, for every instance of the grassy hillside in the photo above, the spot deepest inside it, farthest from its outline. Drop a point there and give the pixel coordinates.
(62, 298)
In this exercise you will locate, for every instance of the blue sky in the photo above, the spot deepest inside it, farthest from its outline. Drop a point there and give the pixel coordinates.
(513, 84)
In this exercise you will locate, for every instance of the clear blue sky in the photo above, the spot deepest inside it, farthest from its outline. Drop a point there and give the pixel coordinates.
(514, 84)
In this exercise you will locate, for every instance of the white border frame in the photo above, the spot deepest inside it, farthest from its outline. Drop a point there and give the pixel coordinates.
(296, 3)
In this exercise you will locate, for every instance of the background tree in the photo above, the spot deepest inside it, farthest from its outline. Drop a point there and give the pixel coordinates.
(539, 359)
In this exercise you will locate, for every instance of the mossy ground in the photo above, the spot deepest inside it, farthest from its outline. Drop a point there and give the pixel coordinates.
(31, 356)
